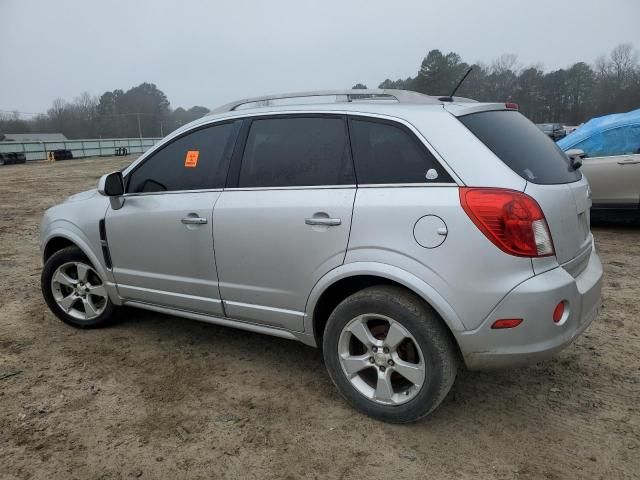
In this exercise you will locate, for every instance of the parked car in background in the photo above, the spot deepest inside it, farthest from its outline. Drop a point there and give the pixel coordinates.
(402, 233)
(609, 147)
(62, 154)
(555, 131)
(12, 158)
(570, 129)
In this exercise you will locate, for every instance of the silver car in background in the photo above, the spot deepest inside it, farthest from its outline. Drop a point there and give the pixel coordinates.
(609, 149)
(405, 235)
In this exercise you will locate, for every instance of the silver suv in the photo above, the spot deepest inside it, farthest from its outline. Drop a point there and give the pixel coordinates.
(406, 235)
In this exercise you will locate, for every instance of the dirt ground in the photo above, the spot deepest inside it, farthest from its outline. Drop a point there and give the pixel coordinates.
(161, 397)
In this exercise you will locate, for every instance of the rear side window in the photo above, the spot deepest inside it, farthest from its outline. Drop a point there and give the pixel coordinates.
(387, 153)
(196, 161)
(522, 146)
(296, 151)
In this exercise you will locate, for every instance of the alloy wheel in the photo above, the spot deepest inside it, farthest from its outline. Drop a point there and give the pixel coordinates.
(381, 359)
(79, 291)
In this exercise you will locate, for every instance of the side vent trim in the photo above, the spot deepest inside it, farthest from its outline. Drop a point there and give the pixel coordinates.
(105, 246)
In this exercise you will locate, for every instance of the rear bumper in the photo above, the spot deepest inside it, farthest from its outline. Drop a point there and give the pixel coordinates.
(537, 337)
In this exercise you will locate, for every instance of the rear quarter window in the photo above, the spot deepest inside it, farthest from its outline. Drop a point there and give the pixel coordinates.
(521, 146)
(387, 153)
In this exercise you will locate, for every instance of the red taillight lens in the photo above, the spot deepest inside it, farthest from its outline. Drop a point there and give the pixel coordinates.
(506, 323)
(511, 106)
(513, 221)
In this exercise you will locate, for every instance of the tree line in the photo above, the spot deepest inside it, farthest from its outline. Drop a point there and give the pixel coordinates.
(141, 111)
(569, 95)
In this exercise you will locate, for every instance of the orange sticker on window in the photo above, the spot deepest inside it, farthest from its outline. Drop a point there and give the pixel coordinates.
(191, 160)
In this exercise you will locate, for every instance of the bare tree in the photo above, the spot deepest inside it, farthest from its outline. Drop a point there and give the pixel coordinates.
(57, 108)
(624, 61)
(507, 62)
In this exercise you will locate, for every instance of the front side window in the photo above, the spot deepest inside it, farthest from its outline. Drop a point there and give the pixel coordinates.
(196, 161)
(296, 151)
(386, 153)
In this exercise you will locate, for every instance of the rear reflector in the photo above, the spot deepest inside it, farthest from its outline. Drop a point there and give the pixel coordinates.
(506, 323)
(512, 220)
(558, 312)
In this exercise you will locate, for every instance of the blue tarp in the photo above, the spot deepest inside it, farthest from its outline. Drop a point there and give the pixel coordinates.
(617, 134)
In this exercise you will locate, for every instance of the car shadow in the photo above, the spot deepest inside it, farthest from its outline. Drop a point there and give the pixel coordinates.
(502, 395)
(618, 221)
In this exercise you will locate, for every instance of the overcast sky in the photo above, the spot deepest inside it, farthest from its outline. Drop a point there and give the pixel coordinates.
(210, 52)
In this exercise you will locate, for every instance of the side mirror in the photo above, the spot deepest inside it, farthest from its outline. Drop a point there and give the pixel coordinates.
(575, 152)
(575, 157)
(111, 184)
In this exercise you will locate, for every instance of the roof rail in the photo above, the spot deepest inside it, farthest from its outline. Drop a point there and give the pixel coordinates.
(401, 96)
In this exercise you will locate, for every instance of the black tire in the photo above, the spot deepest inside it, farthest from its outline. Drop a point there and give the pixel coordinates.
(67, 255)
(429, 332)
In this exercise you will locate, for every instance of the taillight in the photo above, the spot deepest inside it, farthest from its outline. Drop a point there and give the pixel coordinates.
(512, 220)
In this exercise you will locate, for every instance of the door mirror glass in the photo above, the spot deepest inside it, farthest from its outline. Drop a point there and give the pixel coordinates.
(111, 184)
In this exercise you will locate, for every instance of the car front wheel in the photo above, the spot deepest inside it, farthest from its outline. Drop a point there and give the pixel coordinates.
(74, 291)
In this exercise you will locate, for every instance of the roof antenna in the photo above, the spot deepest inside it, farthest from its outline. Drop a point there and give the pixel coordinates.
(450, 97)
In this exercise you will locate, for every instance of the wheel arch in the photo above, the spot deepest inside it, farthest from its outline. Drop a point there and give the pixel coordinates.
(67, 236)
(55, 244)
(343, 281)
(59, 238)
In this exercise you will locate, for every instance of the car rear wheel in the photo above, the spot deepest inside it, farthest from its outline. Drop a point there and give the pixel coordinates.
(389, 354)
(74, 291)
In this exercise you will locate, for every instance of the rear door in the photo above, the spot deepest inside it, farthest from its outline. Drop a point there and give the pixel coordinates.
(561, 191)
(283, 222)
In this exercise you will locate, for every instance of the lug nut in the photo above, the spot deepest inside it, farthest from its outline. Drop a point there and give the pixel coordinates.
(382, 369)
(391, 363)
(385, 350)
(375, 349)
(371, 360)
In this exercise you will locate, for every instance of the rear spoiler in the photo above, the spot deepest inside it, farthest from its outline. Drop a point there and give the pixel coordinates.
(459, 109)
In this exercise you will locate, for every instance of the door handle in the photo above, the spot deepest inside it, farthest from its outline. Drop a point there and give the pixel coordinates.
(329, 222)
(194, 220)
(628, 161)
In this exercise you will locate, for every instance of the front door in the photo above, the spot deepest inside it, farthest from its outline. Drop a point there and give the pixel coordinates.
(612, 167)
(286, 221)
(162, 250)
(614, 181)
(161, 239)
